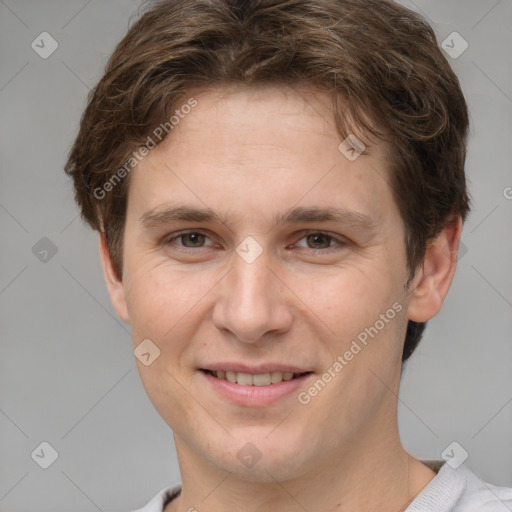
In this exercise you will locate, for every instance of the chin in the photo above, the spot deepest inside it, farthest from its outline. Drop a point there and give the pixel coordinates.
(258, 457)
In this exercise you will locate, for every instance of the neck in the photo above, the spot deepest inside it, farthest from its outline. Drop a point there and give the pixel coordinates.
(381, 478)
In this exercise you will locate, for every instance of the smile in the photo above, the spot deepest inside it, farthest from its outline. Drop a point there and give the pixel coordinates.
(260, 379)
(254, 390)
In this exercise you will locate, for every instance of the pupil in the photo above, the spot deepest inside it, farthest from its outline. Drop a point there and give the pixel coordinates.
(317, 240)
(193, 238)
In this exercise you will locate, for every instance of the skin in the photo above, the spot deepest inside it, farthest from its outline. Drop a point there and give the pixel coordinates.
(250, 154)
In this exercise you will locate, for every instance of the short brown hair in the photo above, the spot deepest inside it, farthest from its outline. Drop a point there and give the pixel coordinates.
(381, 57)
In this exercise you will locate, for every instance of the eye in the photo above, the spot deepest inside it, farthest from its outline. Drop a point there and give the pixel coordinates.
(320, 240)
(316, 240)
(189, 240)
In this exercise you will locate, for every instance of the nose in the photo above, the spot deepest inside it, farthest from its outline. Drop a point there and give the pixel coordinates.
(252, 301)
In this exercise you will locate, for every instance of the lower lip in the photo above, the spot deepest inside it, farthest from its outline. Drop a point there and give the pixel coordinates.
(255, 396)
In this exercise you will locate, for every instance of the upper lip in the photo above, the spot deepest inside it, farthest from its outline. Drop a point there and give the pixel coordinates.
(254, 369)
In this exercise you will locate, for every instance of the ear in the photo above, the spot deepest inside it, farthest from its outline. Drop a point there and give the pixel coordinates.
(433, 280)
(115, 285)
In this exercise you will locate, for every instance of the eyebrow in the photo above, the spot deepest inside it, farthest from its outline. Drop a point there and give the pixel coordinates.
(161, 216)
(304, 215)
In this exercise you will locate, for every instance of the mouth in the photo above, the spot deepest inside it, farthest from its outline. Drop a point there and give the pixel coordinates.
(248, 379)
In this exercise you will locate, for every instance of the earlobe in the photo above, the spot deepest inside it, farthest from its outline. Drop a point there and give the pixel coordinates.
(115, 285)
(433, 280)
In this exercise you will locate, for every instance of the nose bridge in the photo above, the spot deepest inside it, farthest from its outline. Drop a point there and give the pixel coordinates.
(251, 281)
(251, 301)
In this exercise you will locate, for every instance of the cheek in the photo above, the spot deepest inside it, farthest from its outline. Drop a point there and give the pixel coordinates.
(347, 298)
(164, 304)
(365, 312)
(163, 301)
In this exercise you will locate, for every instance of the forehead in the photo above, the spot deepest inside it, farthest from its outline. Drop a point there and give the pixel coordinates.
(260, 148)
(262, 117)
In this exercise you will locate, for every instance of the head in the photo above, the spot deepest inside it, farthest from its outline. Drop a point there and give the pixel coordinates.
(257, 113)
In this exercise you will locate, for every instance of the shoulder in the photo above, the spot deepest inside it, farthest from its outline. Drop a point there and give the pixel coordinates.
(460, 490)
(483, 497)
(158, 502)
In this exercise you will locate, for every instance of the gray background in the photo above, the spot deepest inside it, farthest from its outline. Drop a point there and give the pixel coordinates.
(68, 375)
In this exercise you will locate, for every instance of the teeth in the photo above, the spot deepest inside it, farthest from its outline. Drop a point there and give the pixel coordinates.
(261, 379)
(244, 379)
(276, 377)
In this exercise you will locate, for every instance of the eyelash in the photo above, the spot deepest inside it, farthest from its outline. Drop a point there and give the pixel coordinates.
(341, 242)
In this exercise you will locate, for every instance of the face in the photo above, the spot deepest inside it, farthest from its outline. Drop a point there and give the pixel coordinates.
(254, 245)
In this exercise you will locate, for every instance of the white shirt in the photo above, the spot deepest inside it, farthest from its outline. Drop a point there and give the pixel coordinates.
(451, 490)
